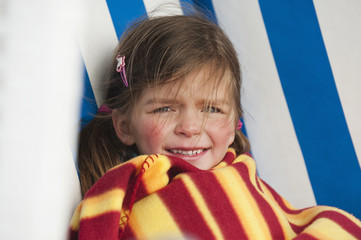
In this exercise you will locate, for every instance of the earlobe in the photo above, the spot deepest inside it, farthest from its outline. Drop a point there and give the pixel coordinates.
(122, 129)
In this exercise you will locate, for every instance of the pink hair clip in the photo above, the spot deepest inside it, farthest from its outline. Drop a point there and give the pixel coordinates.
(104, 109)
(121, 68)
(240, 124)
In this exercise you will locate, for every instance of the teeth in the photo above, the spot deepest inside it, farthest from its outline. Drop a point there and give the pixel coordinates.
(187, 153)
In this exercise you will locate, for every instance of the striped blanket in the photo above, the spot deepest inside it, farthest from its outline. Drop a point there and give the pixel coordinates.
(158, 197)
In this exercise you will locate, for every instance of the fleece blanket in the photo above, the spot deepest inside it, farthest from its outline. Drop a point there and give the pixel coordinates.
(159, 197)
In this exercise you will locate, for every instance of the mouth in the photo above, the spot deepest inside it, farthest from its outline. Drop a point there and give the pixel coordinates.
(186, 152)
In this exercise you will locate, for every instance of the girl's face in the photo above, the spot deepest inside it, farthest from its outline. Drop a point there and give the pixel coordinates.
(175, 120)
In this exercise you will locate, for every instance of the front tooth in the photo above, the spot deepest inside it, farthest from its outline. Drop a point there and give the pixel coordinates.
(188, 153)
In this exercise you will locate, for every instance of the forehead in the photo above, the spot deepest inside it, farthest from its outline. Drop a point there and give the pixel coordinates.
(203, 84)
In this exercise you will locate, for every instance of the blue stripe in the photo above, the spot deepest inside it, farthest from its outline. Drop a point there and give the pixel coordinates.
(203, 6)
(88, 105)
(124, 12)
(313, 102)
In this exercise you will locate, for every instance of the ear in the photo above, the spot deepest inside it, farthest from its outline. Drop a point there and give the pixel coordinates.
(122, 128)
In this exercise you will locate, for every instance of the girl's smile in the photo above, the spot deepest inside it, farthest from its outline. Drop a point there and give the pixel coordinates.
(185, 120)
(189, 155)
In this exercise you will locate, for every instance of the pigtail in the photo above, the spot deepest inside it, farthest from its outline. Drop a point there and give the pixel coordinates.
(241, 144)
(99, 150)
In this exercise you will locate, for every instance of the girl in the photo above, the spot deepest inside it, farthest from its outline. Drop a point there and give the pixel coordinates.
(168, 60)
(174, 100)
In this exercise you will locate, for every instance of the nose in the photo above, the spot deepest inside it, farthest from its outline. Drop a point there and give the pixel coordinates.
(188, 125)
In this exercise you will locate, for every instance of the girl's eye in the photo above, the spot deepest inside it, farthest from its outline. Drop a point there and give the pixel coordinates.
(211, 109)
(162, 110)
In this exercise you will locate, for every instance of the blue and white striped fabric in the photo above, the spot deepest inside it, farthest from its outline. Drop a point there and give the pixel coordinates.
(301, 64)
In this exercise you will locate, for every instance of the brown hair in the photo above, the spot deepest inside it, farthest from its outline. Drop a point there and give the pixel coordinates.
(158, 51)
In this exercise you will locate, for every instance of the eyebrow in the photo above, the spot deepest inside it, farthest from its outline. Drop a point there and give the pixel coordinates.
(219, 101)
(160, 100)
(175, 101)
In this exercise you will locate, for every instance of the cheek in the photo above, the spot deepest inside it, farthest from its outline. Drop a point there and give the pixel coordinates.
(152, 128)
(151, 136)
(225, 133)
(148, 128)
(231, 137)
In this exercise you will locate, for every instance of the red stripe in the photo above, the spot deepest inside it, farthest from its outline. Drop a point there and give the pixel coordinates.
(219, 205)
(72, 234)
(105, 226)
(337, 217)
(111, 180)
(296, 229)
(281, 202)
(229, 158)
(180, 204)
(128, 233)
(345, 222)
(266, 210)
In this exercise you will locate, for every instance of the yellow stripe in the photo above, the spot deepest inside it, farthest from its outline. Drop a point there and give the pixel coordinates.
(142, 218)
(106, 202)
(242, 158)
(220, 165)
(232, 151)
(136, 162)
(243, 204)
(75, 220)
(202, 206)
(269, 194)
(327, 229)
(306, 216)
(281, 216)
(155, 176)
(299, 218)
(249, 162)
(224, 164)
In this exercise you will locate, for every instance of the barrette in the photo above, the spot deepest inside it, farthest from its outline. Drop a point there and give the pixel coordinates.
(121, 68)
(104, 109)
(240, 124)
